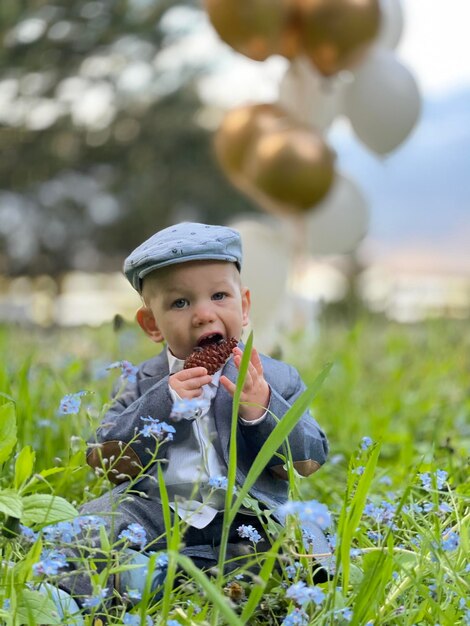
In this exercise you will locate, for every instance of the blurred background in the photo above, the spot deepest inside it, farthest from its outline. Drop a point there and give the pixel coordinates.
(341, 152)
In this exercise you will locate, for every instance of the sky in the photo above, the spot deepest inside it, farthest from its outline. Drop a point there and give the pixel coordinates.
(419, 195)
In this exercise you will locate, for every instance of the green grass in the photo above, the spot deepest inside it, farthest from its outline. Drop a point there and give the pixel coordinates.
(405, 387)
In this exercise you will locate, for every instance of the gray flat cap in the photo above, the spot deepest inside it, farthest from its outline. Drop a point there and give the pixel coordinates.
(182, 243)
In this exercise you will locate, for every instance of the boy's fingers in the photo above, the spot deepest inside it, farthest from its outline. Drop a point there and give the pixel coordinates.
(192, 372)
(248, 382)
(256, 361)
(229, 386)
(198, 382)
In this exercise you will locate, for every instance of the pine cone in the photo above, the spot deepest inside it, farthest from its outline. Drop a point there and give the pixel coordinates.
(212, 357)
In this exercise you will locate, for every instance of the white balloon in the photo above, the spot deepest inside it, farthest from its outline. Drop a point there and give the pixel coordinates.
(265, 268)
(391, 23)
(339, 223)
(383, 102)
(309, 97)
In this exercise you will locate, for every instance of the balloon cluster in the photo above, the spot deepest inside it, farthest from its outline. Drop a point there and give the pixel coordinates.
(277, 153)
(341, 62)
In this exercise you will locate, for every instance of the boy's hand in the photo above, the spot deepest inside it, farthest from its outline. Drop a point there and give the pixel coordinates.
(188, 383)
(255, 388)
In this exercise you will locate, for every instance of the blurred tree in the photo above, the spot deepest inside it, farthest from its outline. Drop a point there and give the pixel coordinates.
(103, 138)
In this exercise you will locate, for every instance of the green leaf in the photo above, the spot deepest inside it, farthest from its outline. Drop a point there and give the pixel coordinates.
(351, 516)
(51, 471)
(24, 465)
(35, 607)
(232, 466)
(7, 430)
(10, 503)
(264, 575)
(378, 568)
(42, 508)
(22, 570)
(217, 597)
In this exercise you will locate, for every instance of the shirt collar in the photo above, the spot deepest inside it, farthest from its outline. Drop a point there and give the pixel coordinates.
(174, 364)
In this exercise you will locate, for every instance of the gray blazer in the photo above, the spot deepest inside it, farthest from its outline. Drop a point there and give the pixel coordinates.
(150, 395)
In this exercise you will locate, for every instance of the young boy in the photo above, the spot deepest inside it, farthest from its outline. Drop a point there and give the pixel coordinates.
(188, 276)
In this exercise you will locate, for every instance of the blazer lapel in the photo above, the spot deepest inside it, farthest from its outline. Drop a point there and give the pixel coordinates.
(154, 369)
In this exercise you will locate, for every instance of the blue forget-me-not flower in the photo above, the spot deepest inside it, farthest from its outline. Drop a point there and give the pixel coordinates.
(154, 428)
(135, 535)
(128, 371)
(50, 564)
(71, 403)
(309, 511)
(249, 532)
(297, 617)
(188, 408)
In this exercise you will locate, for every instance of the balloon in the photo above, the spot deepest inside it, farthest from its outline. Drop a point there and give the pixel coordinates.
(383, 103)
(340, 221)
(336, 33)
(265, 268)
(308, 97)
(391, 24)
(292, 166)
(255, 28)
(240, 128)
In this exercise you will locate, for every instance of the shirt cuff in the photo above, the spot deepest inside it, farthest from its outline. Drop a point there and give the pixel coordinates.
(253, 422)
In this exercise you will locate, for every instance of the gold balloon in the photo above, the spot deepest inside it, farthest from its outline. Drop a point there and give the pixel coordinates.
(240, 128)
(293, 167)
(336, 33)
(255, 28)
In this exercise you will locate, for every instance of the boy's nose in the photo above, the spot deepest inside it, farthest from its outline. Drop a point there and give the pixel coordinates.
(203, 314)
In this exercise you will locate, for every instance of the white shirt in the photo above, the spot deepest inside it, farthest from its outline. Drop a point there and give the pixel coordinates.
(193, 462)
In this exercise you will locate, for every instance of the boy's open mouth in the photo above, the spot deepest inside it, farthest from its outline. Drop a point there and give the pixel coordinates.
(208, 340)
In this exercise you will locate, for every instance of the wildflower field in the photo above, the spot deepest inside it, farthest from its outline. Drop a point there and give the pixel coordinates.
(393, 498)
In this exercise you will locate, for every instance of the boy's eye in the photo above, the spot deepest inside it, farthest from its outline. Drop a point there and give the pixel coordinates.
(180, 303)
(220, 295)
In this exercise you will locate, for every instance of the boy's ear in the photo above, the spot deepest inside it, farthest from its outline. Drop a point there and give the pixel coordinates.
(148, 323)
(246, 305)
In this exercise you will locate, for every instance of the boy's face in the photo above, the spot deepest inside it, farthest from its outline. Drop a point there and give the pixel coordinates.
(192, 303)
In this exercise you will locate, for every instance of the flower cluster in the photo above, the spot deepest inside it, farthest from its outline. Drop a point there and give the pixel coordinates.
(301, 594)
(50, 563)
(67, 532)
(135, 534)
(381, 514)
(450, 541)
(291, 571)
(346, 614)
(297, 617)
(128, 371)
(71, 403)
(309, 511)
(188, 408)
(28, 534)
(249, 532)
(218, 482)
(366, 442)
(440, 476)
(154, 428)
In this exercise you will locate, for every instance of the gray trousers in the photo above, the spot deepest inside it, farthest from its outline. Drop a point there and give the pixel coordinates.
(119, 509)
